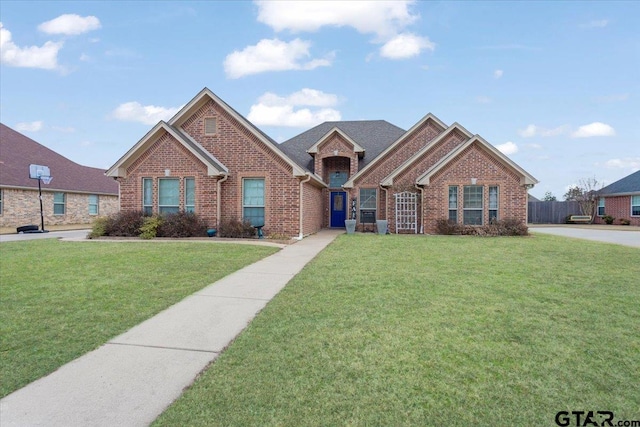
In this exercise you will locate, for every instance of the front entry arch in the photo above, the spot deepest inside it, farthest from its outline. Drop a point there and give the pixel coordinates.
(338, 209)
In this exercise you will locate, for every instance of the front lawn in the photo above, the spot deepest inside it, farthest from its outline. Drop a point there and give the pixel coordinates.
(435, 330)
(59, 300)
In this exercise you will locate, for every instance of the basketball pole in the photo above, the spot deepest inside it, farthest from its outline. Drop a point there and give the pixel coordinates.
(41, 213)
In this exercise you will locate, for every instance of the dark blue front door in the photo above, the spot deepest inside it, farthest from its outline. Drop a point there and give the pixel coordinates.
(338, 208)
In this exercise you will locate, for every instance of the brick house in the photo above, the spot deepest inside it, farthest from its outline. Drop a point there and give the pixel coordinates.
(621, 200)
(76, 195)
(211, 160)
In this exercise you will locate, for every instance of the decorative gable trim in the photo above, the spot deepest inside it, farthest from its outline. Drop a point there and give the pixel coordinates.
(356, 147)
(214, 166)
(525, 178)
(388, 181)
(407, 134)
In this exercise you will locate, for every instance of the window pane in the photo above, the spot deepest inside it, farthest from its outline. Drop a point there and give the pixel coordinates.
(473, 217)
(58, 203)
(93, 204)
(635, 205)
(453, 215)
(336, 179)
(168, 209)
(368, 198)
(253, 192)
(473, 197)
(453, 197)
(493, 197)
(254, 215)
(147, 192)
(190, 194)
(169, 192)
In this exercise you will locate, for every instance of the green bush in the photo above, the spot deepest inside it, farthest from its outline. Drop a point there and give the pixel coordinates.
(235, 228)
(150, 226)
(99, 227)
(624, 221)
(182, 224)
(608, 219)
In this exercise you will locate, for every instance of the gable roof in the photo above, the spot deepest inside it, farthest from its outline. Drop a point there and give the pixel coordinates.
(388, 181)
(18, 151)
(628, 185)
(525, 177)
(372, 135)
(357, 148)
(392, 145)
(204, 96)
(214, 166)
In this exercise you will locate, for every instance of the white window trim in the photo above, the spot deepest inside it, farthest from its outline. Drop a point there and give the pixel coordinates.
(63, 203)
(601, 199)
(264, 196)
(96, 204)
(159, 187)
(151, 201)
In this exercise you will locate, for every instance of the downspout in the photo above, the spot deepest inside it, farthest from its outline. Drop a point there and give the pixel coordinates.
(386, 202)
(218, 196)
(422, 204)
(301, 235)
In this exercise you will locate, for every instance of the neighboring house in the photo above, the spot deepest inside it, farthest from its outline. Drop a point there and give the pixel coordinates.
(211, 160)
(621, 200)
(76, 195)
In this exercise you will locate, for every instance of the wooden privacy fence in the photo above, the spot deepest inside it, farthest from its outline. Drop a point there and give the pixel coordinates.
(551, 212)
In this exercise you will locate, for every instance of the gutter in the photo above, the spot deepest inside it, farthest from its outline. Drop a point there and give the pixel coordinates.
(421, 188)
(218, 194)
(386, 203)
(301, 209)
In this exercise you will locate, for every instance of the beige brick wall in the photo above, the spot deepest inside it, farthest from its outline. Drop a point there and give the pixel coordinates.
(22, 207)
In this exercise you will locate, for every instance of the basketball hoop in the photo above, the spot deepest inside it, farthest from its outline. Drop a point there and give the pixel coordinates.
(46, 180)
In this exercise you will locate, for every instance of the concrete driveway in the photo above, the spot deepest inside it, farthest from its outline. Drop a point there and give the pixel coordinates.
(630, 237)
(70, 234)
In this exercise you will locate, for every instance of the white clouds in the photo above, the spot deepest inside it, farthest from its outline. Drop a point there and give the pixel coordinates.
(626, 163)
(272, 55)
(274, 110)
(497, 74)
(593, 129)
(146, 114)
(45, 57)
(70, 25)
(586, 131)
(383, 18)
(533, 130)
(29, 126)
(406, 45)
(600, 23)
(508, 148)
(483, 99)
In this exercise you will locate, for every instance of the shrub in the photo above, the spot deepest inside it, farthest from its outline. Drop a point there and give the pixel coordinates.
(98, 228)
(447, 227)
(182, 224)
(236, 229)
(505, 227)
(125, 224)
(625, 221)
(608, 219)
(150, 226)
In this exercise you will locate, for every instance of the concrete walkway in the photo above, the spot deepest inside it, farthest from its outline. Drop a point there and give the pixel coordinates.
(133, 378)
(628, 237)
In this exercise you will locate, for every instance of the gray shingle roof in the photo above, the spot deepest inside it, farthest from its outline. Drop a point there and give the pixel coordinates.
(626, 185)
(17, 152)
(373, 135)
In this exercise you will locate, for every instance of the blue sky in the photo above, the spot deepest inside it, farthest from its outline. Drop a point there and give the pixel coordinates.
(554, 85)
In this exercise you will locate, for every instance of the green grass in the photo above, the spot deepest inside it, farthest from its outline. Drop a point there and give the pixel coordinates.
(59, 300)
(402, 330)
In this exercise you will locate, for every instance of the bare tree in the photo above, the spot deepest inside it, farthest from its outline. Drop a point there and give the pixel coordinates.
(586, 193)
